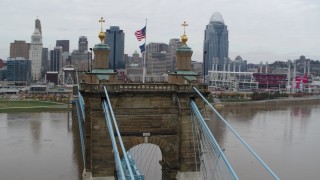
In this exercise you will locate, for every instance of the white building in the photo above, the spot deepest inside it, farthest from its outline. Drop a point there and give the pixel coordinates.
(35, 54)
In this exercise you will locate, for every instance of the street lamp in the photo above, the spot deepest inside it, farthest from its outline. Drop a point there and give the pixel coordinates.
(91, 58)
(204, 67)
(91, 64)
(88, 61)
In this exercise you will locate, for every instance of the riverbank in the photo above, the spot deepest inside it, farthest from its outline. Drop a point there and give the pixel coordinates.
(280, 101)
(31, 106)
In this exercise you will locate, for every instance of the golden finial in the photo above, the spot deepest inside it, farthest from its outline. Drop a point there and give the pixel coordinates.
(101, 35)
(184, 37)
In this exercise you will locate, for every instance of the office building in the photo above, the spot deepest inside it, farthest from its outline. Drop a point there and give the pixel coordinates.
(135, 61)
(52, 77)
(1, 64)
(19, 49)
(134, 68)
(64, 44)
(238, 65)
(196, 67)
(158, 58)
(3, 71)
(19, 70)
(35, 53)
(174, 44)
(45, 61)
(81, 60)
(115, 40)
(3, 74)
(83, 44)
(56, 59)
(126, 58)
(216, 44)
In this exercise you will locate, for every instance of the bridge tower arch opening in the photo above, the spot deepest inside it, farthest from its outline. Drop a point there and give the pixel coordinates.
(147, 157)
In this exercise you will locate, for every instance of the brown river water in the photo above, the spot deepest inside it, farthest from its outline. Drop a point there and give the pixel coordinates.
(36, 146)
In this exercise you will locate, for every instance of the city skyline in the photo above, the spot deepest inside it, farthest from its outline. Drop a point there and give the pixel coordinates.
(258, 31)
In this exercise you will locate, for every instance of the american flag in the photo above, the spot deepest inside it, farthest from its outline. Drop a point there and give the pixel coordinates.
(140, 34)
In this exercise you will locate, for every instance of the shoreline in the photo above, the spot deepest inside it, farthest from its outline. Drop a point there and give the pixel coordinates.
(281, 101)
(31, 106)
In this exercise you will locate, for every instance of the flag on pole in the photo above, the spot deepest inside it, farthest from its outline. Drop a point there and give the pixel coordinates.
(142, 47)
(140, 34)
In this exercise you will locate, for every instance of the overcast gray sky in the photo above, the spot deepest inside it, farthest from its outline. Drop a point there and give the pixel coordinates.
(259, 30)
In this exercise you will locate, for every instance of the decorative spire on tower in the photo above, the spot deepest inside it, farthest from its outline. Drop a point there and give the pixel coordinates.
(184, 37)
(38, 25)
(101, 35)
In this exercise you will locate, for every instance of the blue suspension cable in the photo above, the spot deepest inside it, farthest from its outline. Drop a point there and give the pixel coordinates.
(238, 136)
(118, 134)
(113, 140)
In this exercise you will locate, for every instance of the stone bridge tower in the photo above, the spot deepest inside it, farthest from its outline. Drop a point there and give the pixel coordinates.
(158, 110)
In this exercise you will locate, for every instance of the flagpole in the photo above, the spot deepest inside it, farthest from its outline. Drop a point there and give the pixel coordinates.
(144, 57)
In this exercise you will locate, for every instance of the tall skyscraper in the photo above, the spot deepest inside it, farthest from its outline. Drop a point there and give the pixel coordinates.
(64, 44)
(35, 53)
(56, 59)
(19, 49)
(115, 40)
(216, 44)
(83, 44)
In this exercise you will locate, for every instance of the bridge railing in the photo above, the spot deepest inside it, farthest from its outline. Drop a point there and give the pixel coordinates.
(80, 108)
(135, 87)
(80, 118)
(213, 162)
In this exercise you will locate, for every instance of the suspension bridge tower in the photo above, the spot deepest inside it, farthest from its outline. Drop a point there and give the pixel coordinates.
(156, 113)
